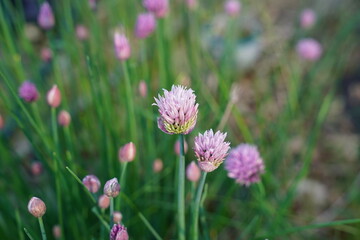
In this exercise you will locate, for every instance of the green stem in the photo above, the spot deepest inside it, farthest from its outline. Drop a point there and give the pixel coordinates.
(181, 191)
(111, 210)
(43, 233)
(161, 54)
(195, 215)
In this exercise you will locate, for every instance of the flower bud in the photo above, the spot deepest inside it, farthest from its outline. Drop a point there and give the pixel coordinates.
(82, 32)
(64, 118)
(127, 152)
(307, 18)
(36, 168)
(28, 92)
(158, 165)
(119, 232)
(309, 49)
(232, 7)
(117, 217)
(177, 147)
(46, 18)
(112, 188)
(143, 88)
(53, 97)
(2, 122)
(159, 7)
(145, 25)
(36, 207)
(193, 172)
(122, 46)
(104, 201)
(56, 231)
(46, 54)
(92, 183)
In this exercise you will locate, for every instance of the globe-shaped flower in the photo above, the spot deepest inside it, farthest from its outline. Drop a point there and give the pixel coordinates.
(309, 49)
(178, 110)
(211, 149)
(119, 232)
(145, 25)
(28, 92)
(159, 7)
(244, 164)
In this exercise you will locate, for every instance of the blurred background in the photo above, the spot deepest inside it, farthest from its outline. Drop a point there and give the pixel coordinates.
(283, 75)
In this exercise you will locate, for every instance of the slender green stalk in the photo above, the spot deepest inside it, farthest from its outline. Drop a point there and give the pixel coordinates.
(161, 54)
(98, 215)
(43, 233)
(111, 210)
(195, 213)
(28, 234)
(79, 181)
(123, 174)
(181, 191)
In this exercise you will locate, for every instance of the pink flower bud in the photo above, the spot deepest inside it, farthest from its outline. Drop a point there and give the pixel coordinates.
(127, 152)
(307, 18)
(28, 92)
(82, 32)
(112, 188)
(143, 88)
(36, 168)
(46, 18)
(122, 46)
(232, 7)
(64, 118)
(177, 147)
(46, 54)
(158, 165)
(92, 183)
(56, 231)
(104, 201)
(117, 217)
(159, 7)
(53, 97)
(193, 172)
(2, 122)
(145, 25)
(36, 207)
(309, 49)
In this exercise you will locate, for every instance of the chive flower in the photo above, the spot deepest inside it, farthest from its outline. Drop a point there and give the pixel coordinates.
(121, 46)
(112, 188)
(92, 183)
(118, 232)
(46, 19)
(36, 207)
(309, 49)
(28, 92)
(159, 7)
(145, 25)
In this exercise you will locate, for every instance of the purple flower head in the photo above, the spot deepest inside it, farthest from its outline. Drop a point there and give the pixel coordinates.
(112, 188)
(178, 110)
(92, 183)
(122, 46)
(145, 25)
(232, 7)
(244, 164)
(309, 49)
(307, 18)
(211, 149)
(28, 92)
(46, 18)
(119, 232)
(159, 7)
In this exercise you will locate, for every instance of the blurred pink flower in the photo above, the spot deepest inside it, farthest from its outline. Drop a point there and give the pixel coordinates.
(53, 97)
(28, 92)
(92, 183)
(36, 168)
(159, 7)
(127, 152)
(309, 49)
(64, 118)
(82, 32)
(244, 164)
(177, 147)
(56, 231)
(232, 7)
(46, 54)
(92, 4)
(193, 172)
(46, 19)
(143, 88)
(307, 18)
(211, 149)
(117, 217)
(104, 201)
(158, 165)
(191, 4)
(122, 46)
(145, 25)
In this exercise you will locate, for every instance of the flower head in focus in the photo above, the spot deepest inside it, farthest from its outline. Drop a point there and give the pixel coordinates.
(118, 232)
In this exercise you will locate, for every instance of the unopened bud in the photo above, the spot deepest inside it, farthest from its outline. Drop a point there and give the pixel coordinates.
(104, 201)
(92, 183)
(36, 168)
(127, 152)
(193, 172)
(56, 231)
(177, 147)
(64, 118)
(53, 97)
(112, 188)
(117, 217)
(36, 207)
(158, 165)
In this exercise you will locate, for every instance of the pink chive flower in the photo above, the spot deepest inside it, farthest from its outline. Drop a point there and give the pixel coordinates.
(307, 18)
(191, 4)
(117, 217)
(104, 201)
(64, 118)
(53, 97)
(46, 54)
(244, 164)
(211, 149)
(159, 7)
(127, 152)
(178, 110)
(158, 165)
(36, 168)
(143, 89)
(56, 231)
(36, 207)
(193, 172)
(177, 147)
(122, 46)
(2, 122)
(46, 18)
(145, 25)
(28, 92)
(82, 32)
(309, 49)
(118, 232)
(92, 183)
(112, 188)
(232, 7)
